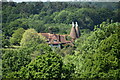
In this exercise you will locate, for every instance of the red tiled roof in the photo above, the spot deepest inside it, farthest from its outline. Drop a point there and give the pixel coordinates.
(45, 34)
(55, 38)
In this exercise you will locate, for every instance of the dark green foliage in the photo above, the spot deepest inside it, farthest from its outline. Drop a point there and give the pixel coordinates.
(67, 49)
(87, 14)
(0, 68)
(68, 70)
(37, 15)
(39, 50)
(53, 30)
(99, 52)
(95, 54)
(58, 28)
(44, 66)
(12, 61)
(8, 29)
(5, 41)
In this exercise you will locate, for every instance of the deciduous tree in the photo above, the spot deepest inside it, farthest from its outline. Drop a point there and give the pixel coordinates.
(17, 36)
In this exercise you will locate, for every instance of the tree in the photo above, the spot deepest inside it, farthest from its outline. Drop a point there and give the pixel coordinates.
(5, 41)
(31, 37)
(68, 70)
(17, 36)
(44, 66)
(12, 61)
(36, 24)
(61, 17)
(99, 53)
(14, 25)
(56, 28)
(34, 43)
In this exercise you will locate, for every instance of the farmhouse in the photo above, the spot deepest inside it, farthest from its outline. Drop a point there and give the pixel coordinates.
(57, 40)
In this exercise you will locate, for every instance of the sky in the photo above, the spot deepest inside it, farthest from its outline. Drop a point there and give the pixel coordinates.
(61, 0)
(41, 0)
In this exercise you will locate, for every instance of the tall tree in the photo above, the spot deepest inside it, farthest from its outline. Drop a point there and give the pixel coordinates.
(31, 37)
(17, 36)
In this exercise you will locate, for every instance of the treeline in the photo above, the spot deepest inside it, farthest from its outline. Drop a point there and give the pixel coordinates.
(95, 55)
(26, 55)
(55, 17)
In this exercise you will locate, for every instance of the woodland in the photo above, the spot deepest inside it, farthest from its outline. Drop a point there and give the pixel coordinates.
(95, 54)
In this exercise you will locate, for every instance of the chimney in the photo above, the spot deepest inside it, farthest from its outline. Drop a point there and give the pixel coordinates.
(77, 30)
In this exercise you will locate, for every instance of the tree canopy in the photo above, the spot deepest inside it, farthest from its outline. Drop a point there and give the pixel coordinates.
(17, 36)
(26, 55)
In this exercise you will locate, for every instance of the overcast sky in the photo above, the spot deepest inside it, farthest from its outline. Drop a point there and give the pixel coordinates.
(61, 0)
(40, 0)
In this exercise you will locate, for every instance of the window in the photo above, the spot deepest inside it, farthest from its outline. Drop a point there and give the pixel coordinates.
(55, 40)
